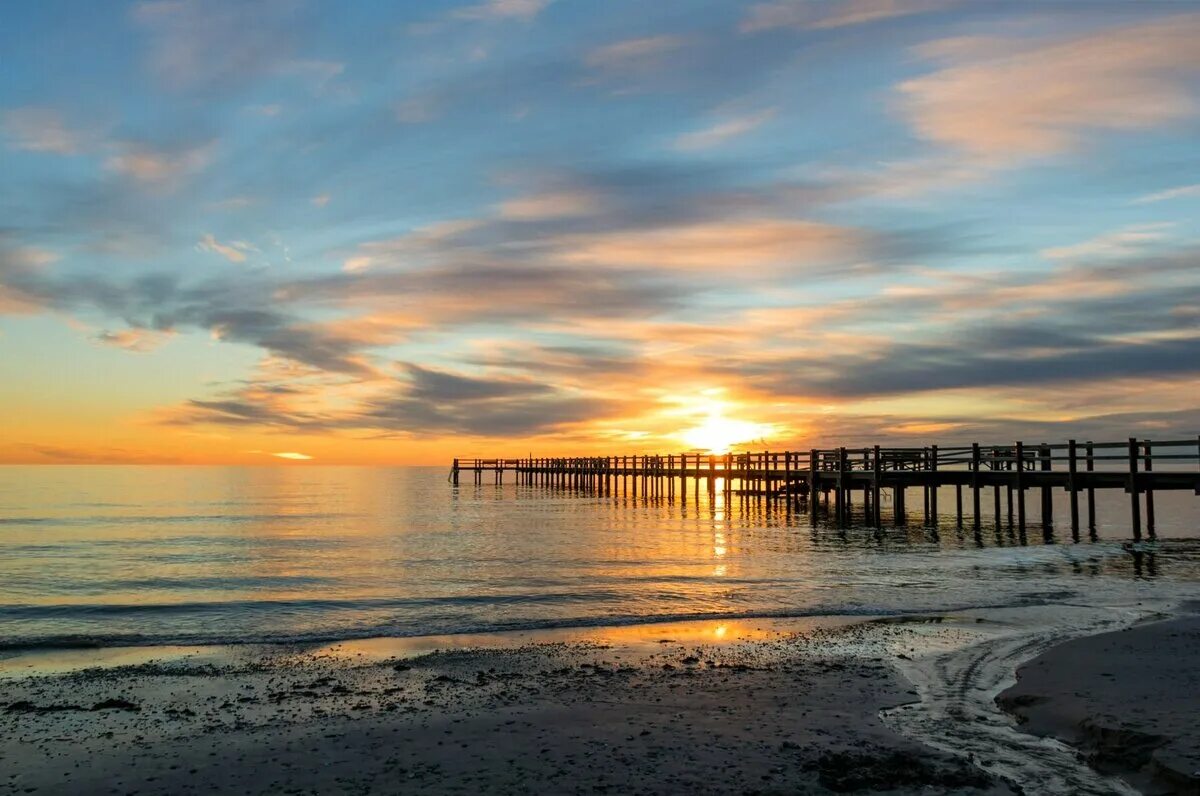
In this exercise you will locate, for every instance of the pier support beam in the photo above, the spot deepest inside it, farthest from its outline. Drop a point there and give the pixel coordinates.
(1091, 492)
(1135, 506)
(933, 488)
(1073, 488)
(1149, 467)
(877, 467)
(1020, 455)
(1047, 496)
(975, 464)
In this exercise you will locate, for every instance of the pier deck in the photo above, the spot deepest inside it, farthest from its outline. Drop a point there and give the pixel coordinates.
(801, 478)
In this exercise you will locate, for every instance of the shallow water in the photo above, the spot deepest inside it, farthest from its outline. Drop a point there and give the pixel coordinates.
(188, 555)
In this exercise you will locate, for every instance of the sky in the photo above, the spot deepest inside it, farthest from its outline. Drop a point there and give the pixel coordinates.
(305, 232)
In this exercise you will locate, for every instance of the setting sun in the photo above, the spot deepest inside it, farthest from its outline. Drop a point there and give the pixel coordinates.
(717, 434)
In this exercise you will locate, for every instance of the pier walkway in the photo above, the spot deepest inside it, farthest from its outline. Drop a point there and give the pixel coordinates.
(801, 478)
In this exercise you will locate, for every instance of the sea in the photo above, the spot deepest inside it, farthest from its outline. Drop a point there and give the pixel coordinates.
(100, 556)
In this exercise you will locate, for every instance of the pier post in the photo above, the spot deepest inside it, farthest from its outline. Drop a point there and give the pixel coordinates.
(996, 503)
(1091, 490)
(877, 467)
(1047, 495)
(787, 479)
(843, 492)
(812, 482)
(933, 488)
(925, 500)
(958, 503)
(767, 480)
(975, 484)
(683, 477)
(1072, 469)
(454, 472)
(1149, 467)
(1020, 454)
(1135, 506)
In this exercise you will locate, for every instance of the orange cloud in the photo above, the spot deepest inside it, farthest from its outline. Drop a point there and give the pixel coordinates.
(139, 340)
(550, 204)
(1007, 99)
(234, 251)
(718, 245)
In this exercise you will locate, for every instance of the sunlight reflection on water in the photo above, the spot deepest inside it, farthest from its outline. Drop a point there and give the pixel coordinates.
(202, 554)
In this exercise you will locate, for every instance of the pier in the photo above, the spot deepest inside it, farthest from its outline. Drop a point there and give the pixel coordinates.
(837, 477)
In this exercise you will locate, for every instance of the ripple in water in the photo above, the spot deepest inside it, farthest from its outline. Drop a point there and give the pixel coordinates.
(124, 555)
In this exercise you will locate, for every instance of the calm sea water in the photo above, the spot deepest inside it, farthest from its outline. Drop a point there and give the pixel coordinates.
(125, 555)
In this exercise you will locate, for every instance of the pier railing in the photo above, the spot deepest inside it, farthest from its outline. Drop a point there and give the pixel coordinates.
(800, 478)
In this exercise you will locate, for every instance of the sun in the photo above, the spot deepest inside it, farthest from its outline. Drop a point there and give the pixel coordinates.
(717, 434)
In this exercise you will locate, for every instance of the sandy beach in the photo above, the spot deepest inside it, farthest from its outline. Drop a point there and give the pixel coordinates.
(1129, 700)
(810, 706)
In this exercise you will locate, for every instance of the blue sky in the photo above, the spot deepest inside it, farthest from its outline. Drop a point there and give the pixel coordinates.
(361, 231)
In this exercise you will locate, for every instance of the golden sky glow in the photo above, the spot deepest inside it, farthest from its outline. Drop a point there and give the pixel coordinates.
(556, 228)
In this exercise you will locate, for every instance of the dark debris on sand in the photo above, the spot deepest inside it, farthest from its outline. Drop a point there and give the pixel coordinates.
(545, 718)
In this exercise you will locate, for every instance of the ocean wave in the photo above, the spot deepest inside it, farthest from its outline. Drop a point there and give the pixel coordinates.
(17, 644)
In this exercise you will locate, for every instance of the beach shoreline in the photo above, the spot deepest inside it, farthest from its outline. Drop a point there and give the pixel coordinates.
(1127, 700)
(815, 705)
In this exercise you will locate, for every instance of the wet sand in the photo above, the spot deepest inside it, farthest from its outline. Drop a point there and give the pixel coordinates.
(741, 707)
(1129, 700)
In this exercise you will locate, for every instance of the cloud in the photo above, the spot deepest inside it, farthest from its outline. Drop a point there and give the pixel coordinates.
(722, 245)
(632, 56)
(293, 456)
(833, 14)
(159, 168)
(416, 246)
(320, 200)
(206, 45)
(723, 131)
(138, 340)
(1120, 243)
(551, 204)
(230, 310)
(424, 402)
(502, 9)
(1007, 99)
(21, 264)
(912, 368)
(1170, 193)
(234, 251)
(536, 410)
(42, 130)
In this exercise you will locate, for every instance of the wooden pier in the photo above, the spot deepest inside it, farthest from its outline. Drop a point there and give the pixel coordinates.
(805, 479)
